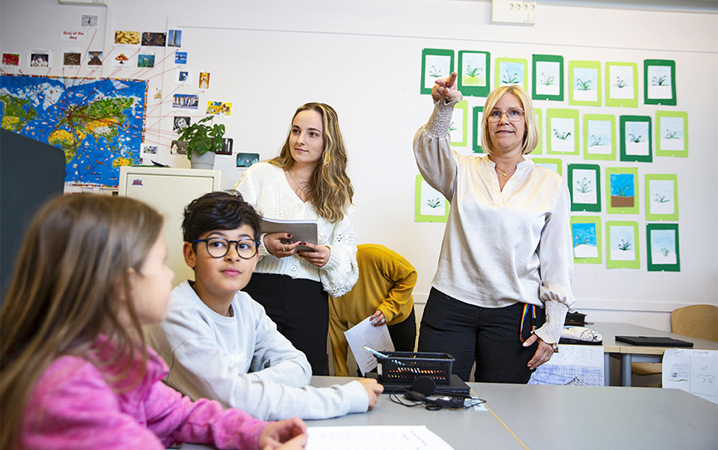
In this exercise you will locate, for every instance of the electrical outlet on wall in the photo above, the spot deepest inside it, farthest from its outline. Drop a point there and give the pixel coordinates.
(513, 12)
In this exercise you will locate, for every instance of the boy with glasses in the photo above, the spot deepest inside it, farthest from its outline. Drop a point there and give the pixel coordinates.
(220, 344)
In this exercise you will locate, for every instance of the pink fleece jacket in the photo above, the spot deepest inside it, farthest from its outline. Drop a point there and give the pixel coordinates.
(73, 406)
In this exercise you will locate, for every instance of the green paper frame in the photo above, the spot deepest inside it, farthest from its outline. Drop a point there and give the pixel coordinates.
(539, 122)
(625, 137)
(657, 199)
(469, 85)
(537, 93)
(554, 113)
(656, 260)
(462, 108)
(628, 102)
(576, 96)
(420, 188)
(501, 61)
(616, 263)
(619, 204)
(550, 162)
(427, 73)
(587, 137)
(658, 94)
(578, 234)
(660, 143)
(580, 202)
(476, 117)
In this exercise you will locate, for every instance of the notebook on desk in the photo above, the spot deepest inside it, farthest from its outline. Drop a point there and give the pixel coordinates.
(456, 386)
(654, 341)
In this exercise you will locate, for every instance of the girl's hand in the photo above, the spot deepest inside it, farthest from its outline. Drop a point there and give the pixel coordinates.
(319, 255)
(377, 319)
(291, 432)
(274, 245)
(543, 352)
(445, 88)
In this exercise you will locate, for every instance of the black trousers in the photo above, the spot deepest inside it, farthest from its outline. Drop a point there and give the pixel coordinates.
(403, 334)
(491, 337)
(300, 308)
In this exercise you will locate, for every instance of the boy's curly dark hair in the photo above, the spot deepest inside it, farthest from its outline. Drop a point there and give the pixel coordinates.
(221, 210)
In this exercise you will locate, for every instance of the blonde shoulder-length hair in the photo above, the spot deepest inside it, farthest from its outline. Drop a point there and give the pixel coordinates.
(330, 191)
(77, 253)
(531, 136)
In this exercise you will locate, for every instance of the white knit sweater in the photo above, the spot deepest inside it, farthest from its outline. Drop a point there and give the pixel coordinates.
(500, 246)
(265, 187)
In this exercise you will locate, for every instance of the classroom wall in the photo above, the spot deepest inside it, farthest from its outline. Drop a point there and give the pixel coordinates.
(364, 58)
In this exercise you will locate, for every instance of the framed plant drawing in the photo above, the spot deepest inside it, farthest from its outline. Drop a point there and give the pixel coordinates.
(659, 82)
(474, 73)
(584, 80)
(671, 133)
(554, 164)
(430, 204)
(661, 197)
(458, 129)
(586, 235)
(663, 249)
(622, 249)
(511, 71)
(477, 116)
(622, 84)
(562, 132)
(435, 63)
(636, 138)
(622, 190)
(599, 137)
(547, 77)
(584, 184)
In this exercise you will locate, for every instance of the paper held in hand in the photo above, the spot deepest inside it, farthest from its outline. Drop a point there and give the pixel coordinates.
(364, 334)
(301, 230)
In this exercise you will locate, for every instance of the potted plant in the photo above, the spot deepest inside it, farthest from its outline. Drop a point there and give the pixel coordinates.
(203, 139)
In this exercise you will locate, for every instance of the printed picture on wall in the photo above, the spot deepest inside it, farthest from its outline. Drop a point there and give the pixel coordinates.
(623, 243)
(511, 71)
(10, 59)
(586, 234)
(622, 190)
(435, 63)
(185, 101)
(89, 20)
(94, 58)
(40, 58)
(178, 147)
(429, 204)
(659, 82)
(584, 81)
(204, 80)
(154, 39)
(636, 139)
(585, 187)
(663, 248)
(247, 159)
(146, 61)
(671, 133)
(219, 108)
(227, 145)
(562, 131)
(180, 123)
(72, 58)
(149, 149)
(547, 77)
(661, 197)
(621, 84)
(127, 37)
(474, 73)
(174, 38)
(599, 137)
(180, 57)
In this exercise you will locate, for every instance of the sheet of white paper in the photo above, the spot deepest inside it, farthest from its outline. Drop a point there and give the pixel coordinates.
(374, 437)
(573, 364)
(694, 371)
(364, 334)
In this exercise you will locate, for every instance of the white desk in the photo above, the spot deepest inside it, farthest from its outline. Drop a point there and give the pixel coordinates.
(632, 353)
(555, 417)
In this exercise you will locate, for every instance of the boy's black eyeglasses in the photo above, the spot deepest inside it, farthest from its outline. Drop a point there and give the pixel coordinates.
(218, 247)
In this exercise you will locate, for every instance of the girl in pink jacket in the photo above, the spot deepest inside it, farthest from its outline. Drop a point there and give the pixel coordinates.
(76, 373)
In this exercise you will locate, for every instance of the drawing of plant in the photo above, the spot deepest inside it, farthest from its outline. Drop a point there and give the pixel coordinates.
(620, 84)
(452, 127)
(624, 245)
(434, 72)
(562, 136)
(546, 81)
(621, 192)
(671, 134)
(510, 78)
(434, 202)
(583, 186)
(471, 74)
(634, 139)
(664, 251)
(593, 141)
(583, 85)
(661, 81)
(661, 199)
(580, 241)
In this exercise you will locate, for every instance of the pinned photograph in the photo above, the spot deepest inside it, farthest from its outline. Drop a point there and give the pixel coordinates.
(247, 159)
(149, 149)
(227, 144)
(183, 76)
(89, 20)
(154, 39)
(121, 60)
(39, 58)
(174, 38)
(94, 58)
(11, 59)
(435, 63)
(622, 247)
(127, 37)
(204, 80)
(180, 123)
(72, 58)
(219, 108)
(185, 101)
(146, 61)
(178, 148)
(180, 57)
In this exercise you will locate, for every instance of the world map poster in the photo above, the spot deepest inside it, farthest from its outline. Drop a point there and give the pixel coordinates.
(97, 122)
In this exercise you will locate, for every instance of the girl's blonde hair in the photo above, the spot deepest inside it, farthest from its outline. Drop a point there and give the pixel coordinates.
(531, 138)
(330, 191)
(76, 255)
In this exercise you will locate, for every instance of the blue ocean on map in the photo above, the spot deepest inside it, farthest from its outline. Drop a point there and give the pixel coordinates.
(97, 122)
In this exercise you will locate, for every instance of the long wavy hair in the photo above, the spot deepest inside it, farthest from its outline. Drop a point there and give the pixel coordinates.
(531, 137)
(76, 254)
(330, 191)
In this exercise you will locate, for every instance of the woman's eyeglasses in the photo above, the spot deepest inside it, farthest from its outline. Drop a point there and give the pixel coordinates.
(218, 247)
(513, 115)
